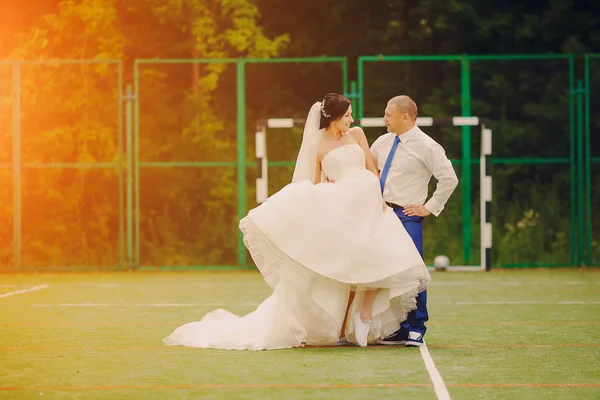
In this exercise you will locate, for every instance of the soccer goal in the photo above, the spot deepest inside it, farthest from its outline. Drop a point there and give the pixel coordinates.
(485, 177)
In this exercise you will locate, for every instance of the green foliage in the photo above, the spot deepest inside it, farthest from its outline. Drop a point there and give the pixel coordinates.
(70, 115)
(188, 113)
(189, 217)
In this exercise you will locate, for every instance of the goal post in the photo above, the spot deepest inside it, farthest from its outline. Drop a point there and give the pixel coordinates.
(485, 177)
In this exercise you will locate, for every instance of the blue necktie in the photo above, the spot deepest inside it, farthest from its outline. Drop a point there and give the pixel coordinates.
(388, 162)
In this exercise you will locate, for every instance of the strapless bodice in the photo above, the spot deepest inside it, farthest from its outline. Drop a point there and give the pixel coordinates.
(343, 160)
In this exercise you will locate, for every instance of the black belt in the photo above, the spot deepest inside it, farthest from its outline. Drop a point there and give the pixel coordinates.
(393, 205)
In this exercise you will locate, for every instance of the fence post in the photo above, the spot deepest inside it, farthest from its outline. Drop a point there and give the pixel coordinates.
(122, 228)
(465, 78)
(16, 164)
(588, 159)
(573, 167)
(241, 155)
(580, 175)
(129, 142)
(136, 163)
(361, 88)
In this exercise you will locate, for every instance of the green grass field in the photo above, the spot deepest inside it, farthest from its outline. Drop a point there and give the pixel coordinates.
(499, 335)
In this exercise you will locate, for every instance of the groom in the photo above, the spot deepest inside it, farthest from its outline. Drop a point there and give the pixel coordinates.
(407, 158)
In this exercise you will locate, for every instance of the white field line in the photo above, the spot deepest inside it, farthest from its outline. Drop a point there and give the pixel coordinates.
(441, 391)
(31, 289)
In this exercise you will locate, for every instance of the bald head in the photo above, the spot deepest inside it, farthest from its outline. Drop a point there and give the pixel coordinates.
(400, 114)
(405, 104)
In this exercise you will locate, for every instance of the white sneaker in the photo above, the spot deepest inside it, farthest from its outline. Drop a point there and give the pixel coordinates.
(415, 339)
(361, 330)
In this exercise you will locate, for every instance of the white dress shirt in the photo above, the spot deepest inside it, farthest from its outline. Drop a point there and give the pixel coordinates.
(417, 158)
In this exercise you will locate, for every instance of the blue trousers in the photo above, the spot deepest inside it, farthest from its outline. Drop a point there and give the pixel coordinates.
(415, 321)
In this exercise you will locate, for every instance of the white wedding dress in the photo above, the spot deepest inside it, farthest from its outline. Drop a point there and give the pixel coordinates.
(314, 244)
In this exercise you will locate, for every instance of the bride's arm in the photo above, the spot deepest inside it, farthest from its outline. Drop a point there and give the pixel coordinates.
(360, 137)
(317, 177)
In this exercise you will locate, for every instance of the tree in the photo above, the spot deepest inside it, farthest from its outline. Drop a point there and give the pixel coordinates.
(528, 100)
(187, 111)
(69, 114)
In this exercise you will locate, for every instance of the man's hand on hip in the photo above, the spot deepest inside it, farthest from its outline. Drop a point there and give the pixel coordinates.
(416, 210)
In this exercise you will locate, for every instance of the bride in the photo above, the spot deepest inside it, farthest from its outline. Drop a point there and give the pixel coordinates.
(317, 240)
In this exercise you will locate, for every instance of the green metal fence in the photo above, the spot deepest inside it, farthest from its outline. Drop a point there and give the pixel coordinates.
(207, 240)
(66, 163)
(592, 157)
(466, 85)
(130, 188)
(153, 211)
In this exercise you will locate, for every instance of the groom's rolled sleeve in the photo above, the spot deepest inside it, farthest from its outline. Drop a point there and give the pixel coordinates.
(440, 166)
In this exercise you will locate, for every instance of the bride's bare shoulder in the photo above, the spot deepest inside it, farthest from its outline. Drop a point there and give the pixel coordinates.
(357, 133)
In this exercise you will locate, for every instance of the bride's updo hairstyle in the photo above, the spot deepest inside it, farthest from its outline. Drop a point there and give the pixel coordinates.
(333, 107)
